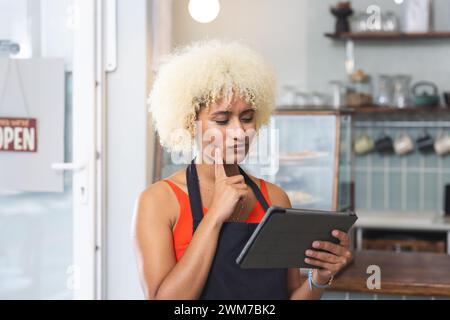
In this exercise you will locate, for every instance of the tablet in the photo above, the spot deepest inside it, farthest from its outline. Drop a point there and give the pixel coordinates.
(283, 235)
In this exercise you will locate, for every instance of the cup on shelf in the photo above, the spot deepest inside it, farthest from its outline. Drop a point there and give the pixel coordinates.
(442, 143)
(364, 144)
(384, 144)
(425, 143)
(403, 144)
(447, 98)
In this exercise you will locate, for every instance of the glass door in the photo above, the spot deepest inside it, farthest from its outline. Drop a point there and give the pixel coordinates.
(47, 196)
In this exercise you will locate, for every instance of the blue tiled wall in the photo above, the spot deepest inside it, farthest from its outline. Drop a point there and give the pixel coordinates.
(413, 182)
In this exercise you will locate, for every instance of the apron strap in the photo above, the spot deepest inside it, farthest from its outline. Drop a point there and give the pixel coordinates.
(195, 197)
(258, 194)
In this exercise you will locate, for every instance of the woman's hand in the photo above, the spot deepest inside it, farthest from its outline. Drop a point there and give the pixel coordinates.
(332, 261)
(228, 191)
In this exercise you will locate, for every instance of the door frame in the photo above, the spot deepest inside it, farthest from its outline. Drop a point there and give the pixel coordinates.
(88, 199)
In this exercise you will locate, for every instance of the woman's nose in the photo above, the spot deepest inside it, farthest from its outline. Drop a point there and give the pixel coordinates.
(236, 130)
(236, 124)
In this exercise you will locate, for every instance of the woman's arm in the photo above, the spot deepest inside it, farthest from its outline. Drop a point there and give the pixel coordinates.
(332, 258)
(162, 277)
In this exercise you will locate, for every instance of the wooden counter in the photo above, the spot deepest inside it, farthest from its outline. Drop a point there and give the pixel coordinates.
(424, 274)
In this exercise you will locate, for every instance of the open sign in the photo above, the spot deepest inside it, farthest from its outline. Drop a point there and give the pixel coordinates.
(18, 134)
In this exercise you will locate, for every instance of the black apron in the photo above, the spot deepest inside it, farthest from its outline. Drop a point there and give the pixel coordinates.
(226, 280)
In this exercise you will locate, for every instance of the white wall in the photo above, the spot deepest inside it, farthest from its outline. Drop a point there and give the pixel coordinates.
(276, 28)
(290, 34)
(127, 90)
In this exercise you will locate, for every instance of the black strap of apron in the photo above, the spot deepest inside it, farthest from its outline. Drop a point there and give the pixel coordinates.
(195, 197)
(259, 196)
(194, 194)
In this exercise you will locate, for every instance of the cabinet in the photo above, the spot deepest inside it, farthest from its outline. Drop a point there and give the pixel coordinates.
(315, 158)
(404, 241)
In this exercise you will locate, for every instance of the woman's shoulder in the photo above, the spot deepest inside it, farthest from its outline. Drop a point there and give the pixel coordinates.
(277, 195)
(161, 189)
(157, 196)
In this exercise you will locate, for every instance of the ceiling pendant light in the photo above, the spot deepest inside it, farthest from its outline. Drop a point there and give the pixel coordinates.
(204, 11)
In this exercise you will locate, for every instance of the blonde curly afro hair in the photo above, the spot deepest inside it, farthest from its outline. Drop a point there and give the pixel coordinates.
(201, 73)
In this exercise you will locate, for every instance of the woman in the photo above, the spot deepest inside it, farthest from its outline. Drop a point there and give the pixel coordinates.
(190, 227)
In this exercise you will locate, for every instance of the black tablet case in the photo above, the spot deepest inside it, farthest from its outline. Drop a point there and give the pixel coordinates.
(283, 236)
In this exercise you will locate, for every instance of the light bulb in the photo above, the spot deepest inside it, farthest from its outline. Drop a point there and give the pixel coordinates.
(204, 11)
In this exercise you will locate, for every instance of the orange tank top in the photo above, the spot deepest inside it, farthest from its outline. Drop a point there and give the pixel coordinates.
(182, 233)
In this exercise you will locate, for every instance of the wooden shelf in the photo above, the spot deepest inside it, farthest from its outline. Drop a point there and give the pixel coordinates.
(307, 110)
(388, 35)
(379, 109)
(364, 109)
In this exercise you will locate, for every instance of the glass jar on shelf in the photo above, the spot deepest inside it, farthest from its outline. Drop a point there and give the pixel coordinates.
(287, 100)
(338, 94)
(402, 95)
(390, 22)
(301, 99)
(385, 90)
(359, 90)
(358, 23)
(319, 100)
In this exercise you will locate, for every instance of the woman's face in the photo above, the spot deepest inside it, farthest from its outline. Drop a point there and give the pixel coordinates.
(229, 127)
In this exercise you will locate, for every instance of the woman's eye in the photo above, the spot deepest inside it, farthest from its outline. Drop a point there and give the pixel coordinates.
(222, 123)
(225, 122)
